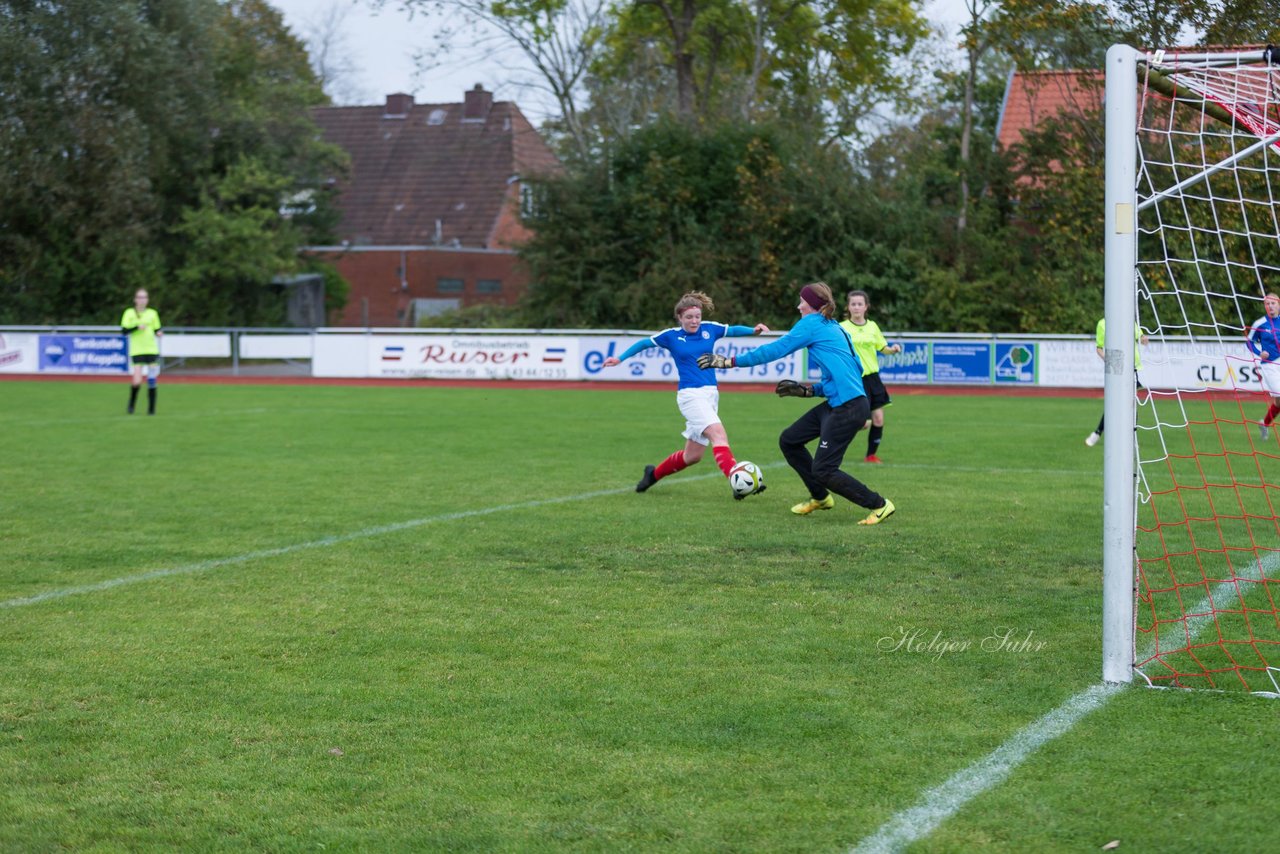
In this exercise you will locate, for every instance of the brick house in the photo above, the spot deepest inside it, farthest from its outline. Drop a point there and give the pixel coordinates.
(430, 209)
(1031, 97)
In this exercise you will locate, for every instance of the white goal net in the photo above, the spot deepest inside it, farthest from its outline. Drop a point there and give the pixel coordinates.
(1200, 238)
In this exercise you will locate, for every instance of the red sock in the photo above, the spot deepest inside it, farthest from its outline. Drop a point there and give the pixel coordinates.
(670, 465)
(1272, 412)
(724, 458)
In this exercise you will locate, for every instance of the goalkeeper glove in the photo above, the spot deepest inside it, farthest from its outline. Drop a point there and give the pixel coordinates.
(791, 388)
(715, 360)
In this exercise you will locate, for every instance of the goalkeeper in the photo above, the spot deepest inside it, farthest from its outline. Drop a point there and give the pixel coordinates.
(835, 421)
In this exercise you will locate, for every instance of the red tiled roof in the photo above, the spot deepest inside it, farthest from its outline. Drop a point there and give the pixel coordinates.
(1033, 96)
(431, 175)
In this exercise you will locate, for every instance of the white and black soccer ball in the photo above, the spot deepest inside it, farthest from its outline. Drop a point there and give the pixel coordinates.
(746, 478)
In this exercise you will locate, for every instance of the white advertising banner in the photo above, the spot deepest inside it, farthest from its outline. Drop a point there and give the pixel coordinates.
(790, 367)
(654, 364)
(188, 345)
(649, 365)
(19, 353)
(1070, 364)
(1219, 365)
(275, 346)
(474, 357)
(341, 355)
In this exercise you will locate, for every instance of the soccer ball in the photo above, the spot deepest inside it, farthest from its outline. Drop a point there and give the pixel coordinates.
(746, 478)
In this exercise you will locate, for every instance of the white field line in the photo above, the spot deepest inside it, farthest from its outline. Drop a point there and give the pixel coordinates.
(215, 563)
(941, 802)
(938, 804)
(122, 418)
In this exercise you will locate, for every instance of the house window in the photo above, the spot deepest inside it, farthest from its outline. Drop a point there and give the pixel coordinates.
(489, 286)
(528, 205)
(449, 286)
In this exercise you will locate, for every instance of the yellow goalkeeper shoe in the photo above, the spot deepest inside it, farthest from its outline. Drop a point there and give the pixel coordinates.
(879, 515)
(804, 508)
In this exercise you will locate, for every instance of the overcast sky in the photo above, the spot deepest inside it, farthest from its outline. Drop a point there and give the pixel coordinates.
(380, 46)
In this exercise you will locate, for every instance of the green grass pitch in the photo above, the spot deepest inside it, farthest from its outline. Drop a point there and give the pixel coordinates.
(299, 618)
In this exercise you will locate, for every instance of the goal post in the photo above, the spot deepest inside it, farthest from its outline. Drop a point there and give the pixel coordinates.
(1191, 481)
(1121, 112)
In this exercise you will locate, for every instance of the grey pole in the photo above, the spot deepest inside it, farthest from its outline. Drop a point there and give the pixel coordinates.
(1118, 408)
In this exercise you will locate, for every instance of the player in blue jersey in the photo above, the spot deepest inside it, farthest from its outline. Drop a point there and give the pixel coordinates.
(698, 397)
(836, 420)
(1264, 341)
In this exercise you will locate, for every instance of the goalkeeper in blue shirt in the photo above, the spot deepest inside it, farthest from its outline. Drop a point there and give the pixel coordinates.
(835, 421)
(698, 396)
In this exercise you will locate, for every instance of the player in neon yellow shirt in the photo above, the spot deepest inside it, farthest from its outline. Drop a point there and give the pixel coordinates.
(142, 325)
(1099, 338)
(868, 341)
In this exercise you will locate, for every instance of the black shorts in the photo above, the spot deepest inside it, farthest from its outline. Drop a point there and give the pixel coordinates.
(877, 394)
(145, 359)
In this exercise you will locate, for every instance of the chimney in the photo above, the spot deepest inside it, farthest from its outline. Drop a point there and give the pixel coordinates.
(477, 106)
(398, 106)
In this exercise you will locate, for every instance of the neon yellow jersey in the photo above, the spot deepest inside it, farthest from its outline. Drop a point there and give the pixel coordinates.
(1101, 336)
(142, 342)
(868, 341)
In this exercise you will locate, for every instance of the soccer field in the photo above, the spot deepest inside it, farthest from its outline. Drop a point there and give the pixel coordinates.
(371, 618)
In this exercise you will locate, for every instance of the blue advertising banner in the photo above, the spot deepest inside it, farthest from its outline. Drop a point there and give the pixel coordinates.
(84, 353)
(1016, 363)
(961, 362)
(909, 366)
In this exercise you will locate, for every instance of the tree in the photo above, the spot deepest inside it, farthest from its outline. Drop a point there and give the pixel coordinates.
(746, 214)
(557, 38)
(118, 122)
(230, 238)
(1031, 34)
(827, 63)
(329, 49)
(1239, 22)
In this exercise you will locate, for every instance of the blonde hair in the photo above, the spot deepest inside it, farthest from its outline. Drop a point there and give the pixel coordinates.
(694, 299)
(823, 290)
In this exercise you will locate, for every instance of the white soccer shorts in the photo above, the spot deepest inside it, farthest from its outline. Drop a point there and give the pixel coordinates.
(699, 407)
(1270, 374)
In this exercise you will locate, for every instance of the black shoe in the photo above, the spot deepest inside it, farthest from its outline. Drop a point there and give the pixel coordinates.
(129, 411)
(737, 497)
(648, 480)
